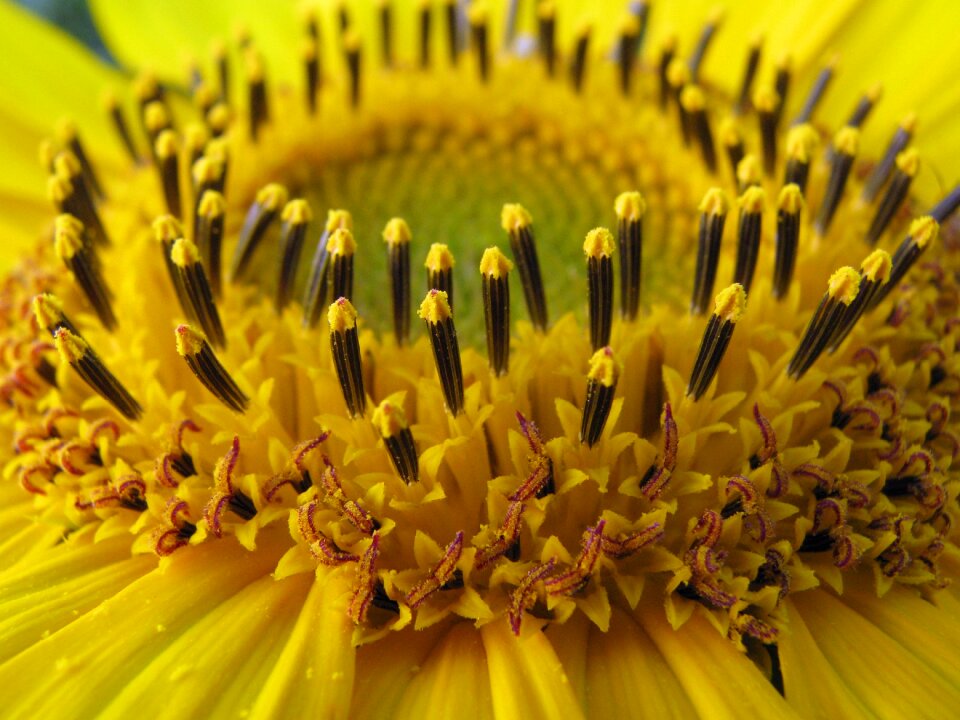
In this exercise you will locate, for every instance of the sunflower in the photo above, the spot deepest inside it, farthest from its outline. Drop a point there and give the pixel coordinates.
(620, 453)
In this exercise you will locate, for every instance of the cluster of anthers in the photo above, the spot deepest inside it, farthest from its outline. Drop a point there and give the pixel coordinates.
(563, 470)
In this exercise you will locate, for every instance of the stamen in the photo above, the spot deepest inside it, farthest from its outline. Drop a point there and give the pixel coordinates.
(494, 270)
(732, 140)
(703, 44)
(816, 94)
(79, 259)
(397, 236)
(48, 311)
(186, 258)
(845, 145)
(166, 230)
(425, 18)
(519, 226)
(601, 385)
(316, 295)
(864, 106)
(749, 74)
(351, 46)
(341, 248)
(391, 423)
(453, 30)
(908, 164)
(678, 74)
(75, 351)
(439, 265)
(599, 247)
(442, 574)
(194, 348)
(789, 207)
(167, 154)
(386, 33)
(547, 29)
(899, 141)
(267, 206)
(842, 289)
(112, 105)
(801, 144)
(257, 93)
(767, 102)
(71, 193)
(749, 173)
(195, 138)
(477, 15)
(219, 56)
(922, 232)
(781, 84)
(627, 51)
(296, 219)
(713, 215)
(874, 274)
(435, 311)
(311, 71)
(218, 119)
(207, 174)
(71, 140)
(345, 348)
(630, 208)
(667, 53)
(210, 218)
(156, 119)
(578, 66)
(694, 104)
(748, 236)
(729, 306)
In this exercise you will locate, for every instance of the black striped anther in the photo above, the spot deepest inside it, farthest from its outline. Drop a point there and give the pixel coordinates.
(519, 226)
(193, 347)
(728, 309)
(749, 232)
(713, 216)
(630, 208)
(295, 221)
(494, 273)
(598, 247)
(789, 207)
(602, 377)
(316, 296)
(345, 349)
(436, 313)
(397, 237)
(391, 423)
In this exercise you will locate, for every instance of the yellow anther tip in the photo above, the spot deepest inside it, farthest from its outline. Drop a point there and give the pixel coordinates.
(219, 116)
(341, 242)
(748, 170)
(351, 41)
(692, 98)
(67, 238)
(66, 130)
(876, 266)
(874, 92)
(195, 135)
(730, 132)
(801, 142)
(67, 223)
(599, 243)
(190, 342)
(389, 418)
(206, 170)
(847, 141)
(791, 199)
(341, 315)
(439, 258)
(546, 10)
(167, 228)
(47, 309)
(166, 145)
(435, 307)
(514, 217)
(630, 206)
(397, 232)
(477, 13)
(212, 205)
(924, 230)
(730, 303)
(184, 253)
(297, 212)
(59, 188)
(678, 74)
(72, 347)
(66, 165)
(752, 200)
(766, 99)
(844, 285)
(604, 367)
(338, 219)
(494, 263)
(909, 122)
(714, 202)
(155, 116)
(272, 197)
(908, 162)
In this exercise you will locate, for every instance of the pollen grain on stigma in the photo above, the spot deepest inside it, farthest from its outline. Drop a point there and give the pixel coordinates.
(516, 485)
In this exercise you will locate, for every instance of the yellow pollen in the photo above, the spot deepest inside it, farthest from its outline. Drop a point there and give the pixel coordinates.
(908, 162)
(748, 170)
(389, 418)
(599, 243)
(156, 117)
(630, 206)
(339, 219)
(847, 141)
(730, 303)
(297, 212)
(546, 10)
(692, 99)
(205, 170)
(435, 307)
(730, 132)
(67, 238)
(204, 96)
(67, 222)
(109, 101)
(218, 117)
(924, 231)
(630, 25)
(272, 197)
(752, 200)
(254, 66)
(351, 41)
(145, 86)
(66, 165)
(876, 266)
(514, 217)
(190, 342)
(766, 99)
(604, 367)
(477, 13)
(439, 258)
(195, 136)
(341, 315)
(308, 50)
(59, 188)
(66, 130)
(843, 285)
(494, 263)
(801, 142)
(678, 74)
(184, 253)
(72, 347)
(791, 199)
(47, 152)
(48, 310)
(216, 150)
(875, 92)
(166, 145)
(341, 242)
(167, 228)
(714, 202)
(909, 122)
(397, 232)
(212, 205)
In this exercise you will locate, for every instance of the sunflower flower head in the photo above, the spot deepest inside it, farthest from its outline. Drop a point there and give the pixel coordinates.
(283, 360)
